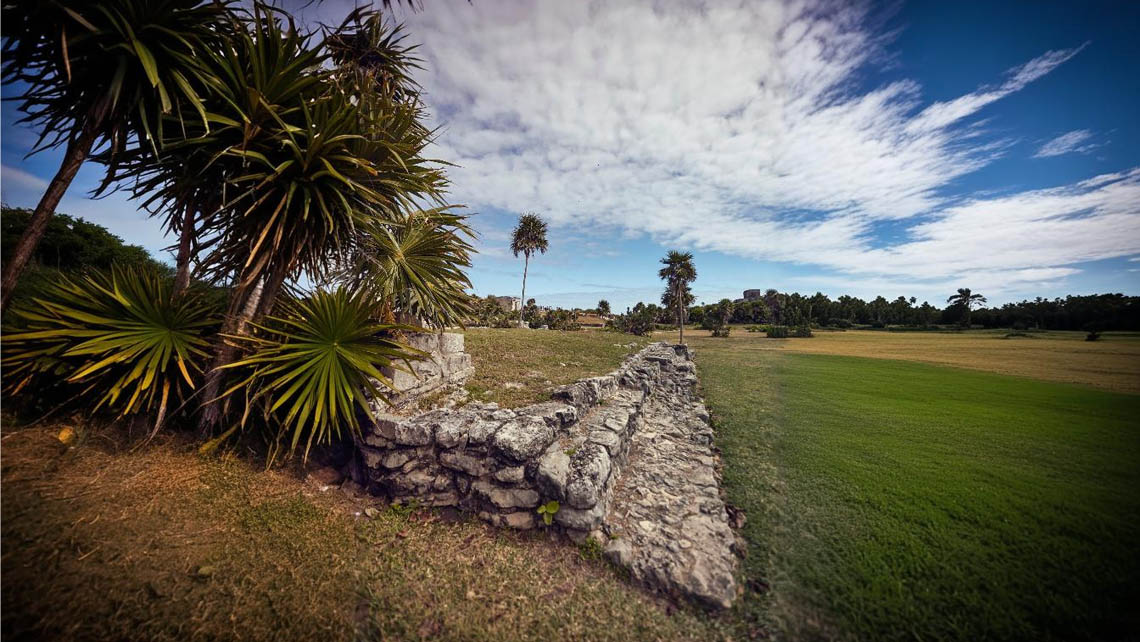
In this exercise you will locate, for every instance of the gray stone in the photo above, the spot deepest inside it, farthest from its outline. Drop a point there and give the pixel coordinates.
(582, 520)
(413, 432)
(552, 471)
(512, 475)
(384, 425)
(589, 471)
(452, 430)
(608, 440)
(481, 430)
(474, 466)
(506, 497)
(522, 520)
(556, 415)
(619, 551)
(395, 459)
(522, 438)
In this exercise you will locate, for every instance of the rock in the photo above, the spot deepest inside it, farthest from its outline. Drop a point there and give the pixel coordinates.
(384, 424)
(395, 459)
(522, 520)
(556, 415)
(552, 471)
(451, 431)
(619, 551)
(512, 475)
(608, 440)
(481, 430)
(522, 438)
(514, 385)
(326, 475)
(581, 520)
(413, 432)
(506, 497)
(589, 471)
(474, 466)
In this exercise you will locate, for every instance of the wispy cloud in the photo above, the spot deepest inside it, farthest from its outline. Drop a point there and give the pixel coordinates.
(1075, 141)
(741, 129)
(14, 177)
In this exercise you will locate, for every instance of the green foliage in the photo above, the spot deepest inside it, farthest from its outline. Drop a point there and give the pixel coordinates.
(121, 335)
(316, 363)
(112, 67)
(778, 332)
(603, 307)
(417, 266)
(641, 320)
(560, 319)
(678, 272)
(802, 331)
(590, 550)
(548, 511)
(71, 243)
(722, 331)
(529, 236)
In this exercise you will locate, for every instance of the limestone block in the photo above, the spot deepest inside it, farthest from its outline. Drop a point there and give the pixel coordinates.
(506, 497)
(553, 469)
(522, 438)
(589, 472)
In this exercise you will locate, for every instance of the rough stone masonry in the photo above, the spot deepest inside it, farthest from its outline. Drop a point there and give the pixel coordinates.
(627, 455)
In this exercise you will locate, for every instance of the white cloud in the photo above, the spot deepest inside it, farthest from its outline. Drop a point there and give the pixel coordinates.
(1074, 141)
(739, 129)
(14, 177)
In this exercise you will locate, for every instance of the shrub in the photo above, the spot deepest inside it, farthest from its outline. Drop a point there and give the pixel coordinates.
(121, 334)
(722, 331)
(842, 324)
(777, 332)
(803, 331)
(316, 363)
(1093, 335)
(755, 328)
(639, 321)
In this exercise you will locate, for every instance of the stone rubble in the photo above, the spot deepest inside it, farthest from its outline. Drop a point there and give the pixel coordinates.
(627, 455)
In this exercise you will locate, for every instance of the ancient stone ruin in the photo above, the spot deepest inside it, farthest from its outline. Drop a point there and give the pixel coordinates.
(628, 456)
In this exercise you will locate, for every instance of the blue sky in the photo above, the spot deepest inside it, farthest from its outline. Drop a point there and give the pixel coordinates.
(901, 149)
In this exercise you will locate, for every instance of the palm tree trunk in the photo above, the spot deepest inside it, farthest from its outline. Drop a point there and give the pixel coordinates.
(77, 152)
(522, 301)
(182, 261)
(680, 317)
(243, 305)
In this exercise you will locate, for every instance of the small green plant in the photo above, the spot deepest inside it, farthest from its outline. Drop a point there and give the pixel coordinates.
(590, 549)
(722, 331)
(548, 511)
(777, 332)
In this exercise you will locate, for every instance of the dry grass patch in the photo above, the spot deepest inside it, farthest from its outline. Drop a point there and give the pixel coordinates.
(160, 544)
(1112, 363)
(518, 367)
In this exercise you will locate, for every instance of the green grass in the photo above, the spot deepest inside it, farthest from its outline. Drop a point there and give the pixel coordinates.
(518, 367)
(891, 500)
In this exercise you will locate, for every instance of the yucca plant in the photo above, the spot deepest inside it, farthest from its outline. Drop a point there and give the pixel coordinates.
(315, 364)
(121, 336)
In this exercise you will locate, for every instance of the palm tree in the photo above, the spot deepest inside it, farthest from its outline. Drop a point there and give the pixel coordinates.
(603, 307)
(98, 74)
(966, 299)
(678, 273)
(529, 237)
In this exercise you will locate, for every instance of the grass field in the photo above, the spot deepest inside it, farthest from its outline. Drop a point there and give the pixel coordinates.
(1112, 363)
(905, 501)
(518, 367)
(100, 543)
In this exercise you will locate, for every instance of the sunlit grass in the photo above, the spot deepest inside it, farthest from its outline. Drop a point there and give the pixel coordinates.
(895, 500)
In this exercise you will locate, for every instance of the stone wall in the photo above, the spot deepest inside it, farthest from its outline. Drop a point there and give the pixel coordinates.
(447, 364)
(502, 463)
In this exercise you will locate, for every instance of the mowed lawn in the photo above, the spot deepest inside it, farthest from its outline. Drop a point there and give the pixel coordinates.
(894, 500)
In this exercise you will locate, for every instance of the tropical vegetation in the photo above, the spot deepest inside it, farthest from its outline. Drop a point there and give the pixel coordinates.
(678, 272)
(272, 153)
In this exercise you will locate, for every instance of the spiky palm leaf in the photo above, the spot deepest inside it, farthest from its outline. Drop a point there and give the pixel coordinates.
(318, 362)
(417, 266)
(122, 334)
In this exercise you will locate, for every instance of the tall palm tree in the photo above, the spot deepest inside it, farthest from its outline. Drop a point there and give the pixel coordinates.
(529, 237)
(678, 273)
(100, 73)
(966, 299)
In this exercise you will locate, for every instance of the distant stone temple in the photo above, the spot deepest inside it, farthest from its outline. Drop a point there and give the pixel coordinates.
(509, 303)
(753, 295)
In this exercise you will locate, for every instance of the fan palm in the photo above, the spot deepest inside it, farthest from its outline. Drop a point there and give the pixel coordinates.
(122, 334)
(678, 273)
(101, 73)
(966, 299)
(318, 362)
(528, 237)
(415, 266)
